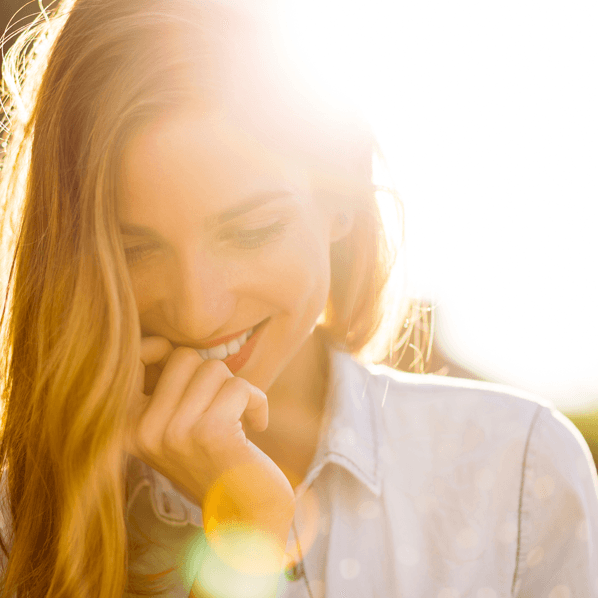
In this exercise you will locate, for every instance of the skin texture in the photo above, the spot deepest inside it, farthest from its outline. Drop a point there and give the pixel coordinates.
(200, 278)
(201, 283)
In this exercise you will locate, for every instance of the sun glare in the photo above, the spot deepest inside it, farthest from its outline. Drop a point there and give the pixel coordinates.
(327, 44)
(486, 115)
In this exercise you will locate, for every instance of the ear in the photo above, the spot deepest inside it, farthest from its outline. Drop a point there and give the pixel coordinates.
(342, 224)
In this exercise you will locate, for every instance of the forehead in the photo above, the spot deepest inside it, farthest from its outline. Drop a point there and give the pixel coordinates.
(199, 163)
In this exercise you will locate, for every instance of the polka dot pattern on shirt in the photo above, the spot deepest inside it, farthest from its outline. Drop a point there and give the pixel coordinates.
(407, 555)
(535, 557)
(349, 568)
(561, 591)
(544, 487)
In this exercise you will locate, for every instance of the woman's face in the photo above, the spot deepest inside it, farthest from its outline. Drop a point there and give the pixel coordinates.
(233, 238)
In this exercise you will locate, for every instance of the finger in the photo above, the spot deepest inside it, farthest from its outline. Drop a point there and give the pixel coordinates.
(155, 350)
(154, 353)
(237, 398)
(203, 387)
(178, 370)
(256, 412)
(164, 411)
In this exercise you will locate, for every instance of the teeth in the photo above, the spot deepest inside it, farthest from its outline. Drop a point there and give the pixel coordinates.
(218, 352)
(225, 349)
(233, 347)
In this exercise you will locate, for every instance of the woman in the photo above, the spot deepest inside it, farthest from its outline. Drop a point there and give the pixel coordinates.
(200, 273)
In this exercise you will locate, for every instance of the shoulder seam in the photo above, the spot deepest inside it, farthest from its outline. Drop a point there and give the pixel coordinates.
(520, 507)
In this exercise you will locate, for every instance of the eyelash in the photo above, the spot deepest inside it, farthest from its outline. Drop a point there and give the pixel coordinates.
(246, 240)
(136, 254)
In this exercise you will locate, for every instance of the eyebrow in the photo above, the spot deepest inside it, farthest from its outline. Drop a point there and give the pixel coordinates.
(252, 203)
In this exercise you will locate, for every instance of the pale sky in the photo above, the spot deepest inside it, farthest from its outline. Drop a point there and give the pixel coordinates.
(488, 115)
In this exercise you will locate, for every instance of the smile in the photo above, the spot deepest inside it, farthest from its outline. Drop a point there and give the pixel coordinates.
(226, 349)
(236, 353)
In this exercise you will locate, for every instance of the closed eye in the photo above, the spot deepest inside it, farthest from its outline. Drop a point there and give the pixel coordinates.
(254, 238)
(244, 239)
(138, 252)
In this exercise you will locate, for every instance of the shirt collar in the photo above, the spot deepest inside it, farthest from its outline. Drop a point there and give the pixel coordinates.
(351, 427)
(350, 436)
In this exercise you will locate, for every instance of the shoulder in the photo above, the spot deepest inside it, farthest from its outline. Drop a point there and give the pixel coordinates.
(486, 474)
(458, 425)
(397, 392)
(501, 411)
(408, 402)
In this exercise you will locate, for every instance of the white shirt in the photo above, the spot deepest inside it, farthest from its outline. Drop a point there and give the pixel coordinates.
(421, 487)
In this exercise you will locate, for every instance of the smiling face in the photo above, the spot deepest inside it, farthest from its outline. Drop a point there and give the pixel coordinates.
(234, 238)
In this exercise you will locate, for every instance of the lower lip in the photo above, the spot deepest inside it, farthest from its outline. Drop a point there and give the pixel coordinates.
(238, 360)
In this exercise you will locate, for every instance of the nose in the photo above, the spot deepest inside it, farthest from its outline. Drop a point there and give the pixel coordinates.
(202, 295)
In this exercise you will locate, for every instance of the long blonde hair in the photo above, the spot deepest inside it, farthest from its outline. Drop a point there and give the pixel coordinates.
(76, 85)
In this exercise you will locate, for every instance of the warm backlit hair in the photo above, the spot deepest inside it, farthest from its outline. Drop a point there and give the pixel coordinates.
(77, 85)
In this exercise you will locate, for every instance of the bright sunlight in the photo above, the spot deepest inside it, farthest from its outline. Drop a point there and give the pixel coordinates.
(487, 115)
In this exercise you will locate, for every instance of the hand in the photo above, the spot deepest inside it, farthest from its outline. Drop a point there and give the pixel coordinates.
(185, 422)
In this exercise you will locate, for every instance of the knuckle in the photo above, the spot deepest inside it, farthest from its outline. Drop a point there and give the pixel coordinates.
(173, 437)
(237, 384)
(217, 367)
(185, 354)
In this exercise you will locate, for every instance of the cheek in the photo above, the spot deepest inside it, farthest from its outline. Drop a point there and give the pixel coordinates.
(300, 274)
(292, 275)
(144, 290)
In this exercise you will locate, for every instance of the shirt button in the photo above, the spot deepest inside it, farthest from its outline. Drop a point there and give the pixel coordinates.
(297, 571)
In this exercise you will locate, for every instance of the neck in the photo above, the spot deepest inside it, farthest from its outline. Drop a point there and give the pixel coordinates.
(295, 405)
(304, 381)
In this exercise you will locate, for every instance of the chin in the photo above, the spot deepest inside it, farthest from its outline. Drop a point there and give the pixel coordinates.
(273, 366)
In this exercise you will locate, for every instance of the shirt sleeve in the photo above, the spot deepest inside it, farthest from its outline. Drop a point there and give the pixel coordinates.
(557, 548)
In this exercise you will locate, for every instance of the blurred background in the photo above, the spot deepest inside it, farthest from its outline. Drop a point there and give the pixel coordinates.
(487, 115)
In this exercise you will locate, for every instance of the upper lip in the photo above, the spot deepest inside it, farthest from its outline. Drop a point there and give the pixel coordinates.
(222, 339)
(225, 339)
